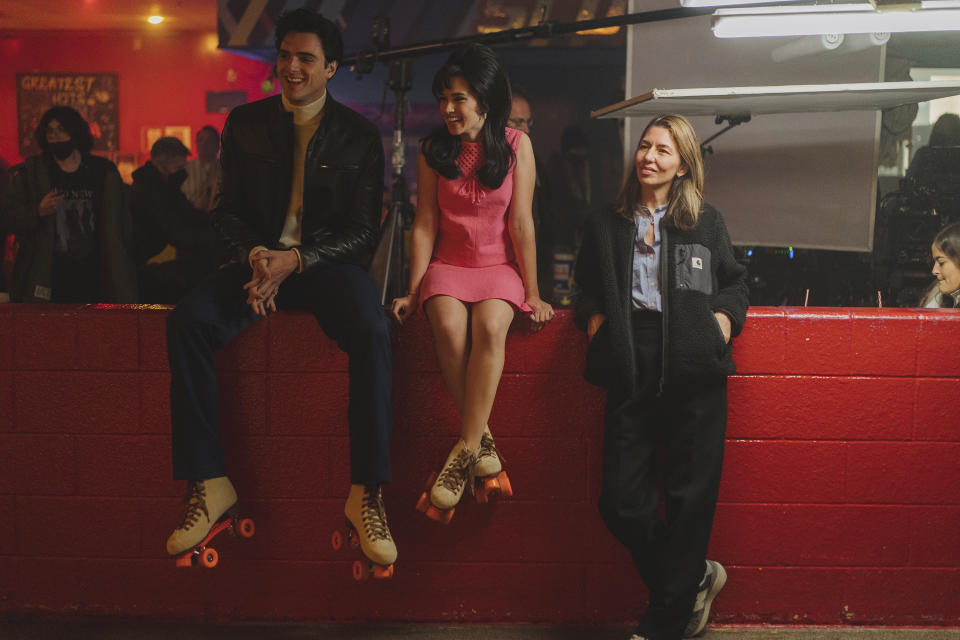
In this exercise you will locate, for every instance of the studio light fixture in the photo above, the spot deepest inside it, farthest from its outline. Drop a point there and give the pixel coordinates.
(730, 3)
(883, 5)
(155, 19)
(806, 20)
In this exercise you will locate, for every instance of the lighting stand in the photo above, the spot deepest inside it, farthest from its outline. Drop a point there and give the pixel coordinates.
(733, 122)
(400, 211)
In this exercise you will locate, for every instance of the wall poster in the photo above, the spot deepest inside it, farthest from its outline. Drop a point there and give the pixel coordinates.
(93, 95)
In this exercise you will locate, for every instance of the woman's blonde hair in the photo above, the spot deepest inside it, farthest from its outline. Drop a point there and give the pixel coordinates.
(686, 192)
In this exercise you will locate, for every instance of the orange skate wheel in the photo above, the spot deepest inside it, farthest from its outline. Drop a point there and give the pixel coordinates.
(380, 572)
(505, 486)
(209, 558)
(336, 540)
(352, 536)
(246, 528)
(480, 493)
(439, 515)
(186, 560)
(423, 503)
(360, 572)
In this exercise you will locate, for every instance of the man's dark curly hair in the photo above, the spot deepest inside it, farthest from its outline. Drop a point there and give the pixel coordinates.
(304, 20)
(72, 122)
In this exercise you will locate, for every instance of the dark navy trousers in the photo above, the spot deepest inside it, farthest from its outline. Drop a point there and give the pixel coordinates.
(346, 303)
(671, 445)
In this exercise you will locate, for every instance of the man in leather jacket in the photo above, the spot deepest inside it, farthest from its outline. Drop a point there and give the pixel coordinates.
(300, 206)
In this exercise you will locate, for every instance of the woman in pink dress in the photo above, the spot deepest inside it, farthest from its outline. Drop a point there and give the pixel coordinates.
(473, 257)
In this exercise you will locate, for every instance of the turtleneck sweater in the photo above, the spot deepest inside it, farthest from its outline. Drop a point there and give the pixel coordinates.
(306, 119)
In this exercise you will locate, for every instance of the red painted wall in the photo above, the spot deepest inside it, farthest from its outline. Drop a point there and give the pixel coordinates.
(840, 502)
(163, 78)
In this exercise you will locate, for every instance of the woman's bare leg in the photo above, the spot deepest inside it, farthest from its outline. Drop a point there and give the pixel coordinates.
(449, 319)
(490, 320)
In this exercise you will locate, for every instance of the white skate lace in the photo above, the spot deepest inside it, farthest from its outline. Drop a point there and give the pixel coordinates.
(458, 472)
(374, 516)
(196, 501)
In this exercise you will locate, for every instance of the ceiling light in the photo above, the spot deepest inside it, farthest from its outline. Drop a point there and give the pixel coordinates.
(828, 19)
(155, 19)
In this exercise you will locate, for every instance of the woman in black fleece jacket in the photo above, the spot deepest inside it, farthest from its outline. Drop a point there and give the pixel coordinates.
(660, 296)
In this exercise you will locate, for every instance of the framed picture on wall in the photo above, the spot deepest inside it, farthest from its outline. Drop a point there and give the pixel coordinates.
(93, 95)
(182, 133)
(150, 134)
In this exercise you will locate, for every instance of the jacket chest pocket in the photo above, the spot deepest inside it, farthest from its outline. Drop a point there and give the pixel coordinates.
(693, 268)
(338, 167)
(334, 176)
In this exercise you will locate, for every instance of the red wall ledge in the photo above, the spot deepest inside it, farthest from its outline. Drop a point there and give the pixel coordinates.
(840, 502)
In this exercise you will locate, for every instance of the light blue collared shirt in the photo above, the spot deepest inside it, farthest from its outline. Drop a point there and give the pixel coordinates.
(646, 260)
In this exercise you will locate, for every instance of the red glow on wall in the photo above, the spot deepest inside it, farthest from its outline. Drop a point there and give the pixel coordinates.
(839, 476)
(163, 79)
(10, 46)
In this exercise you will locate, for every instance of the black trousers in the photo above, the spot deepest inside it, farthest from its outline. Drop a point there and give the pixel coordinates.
(679, 434)
(346, 303)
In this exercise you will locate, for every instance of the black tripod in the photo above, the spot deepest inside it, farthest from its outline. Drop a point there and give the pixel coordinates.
(400, 211)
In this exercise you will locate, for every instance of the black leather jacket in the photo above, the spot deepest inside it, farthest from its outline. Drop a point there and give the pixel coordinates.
(343, 183)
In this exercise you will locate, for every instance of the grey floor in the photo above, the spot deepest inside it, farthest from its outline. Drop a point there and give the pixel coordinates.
(38, 628)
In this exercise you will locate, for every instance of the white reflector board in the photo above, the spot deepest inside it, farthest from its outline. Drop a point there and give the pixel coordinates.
(739, 101)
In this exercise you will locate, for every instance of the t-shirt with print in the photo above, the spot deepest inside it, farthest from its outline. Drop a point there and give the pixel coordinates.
(76, 253)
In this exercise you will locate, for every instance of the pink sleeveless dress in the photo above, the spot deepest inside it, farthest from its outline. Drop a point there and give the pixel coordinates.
(473, 257)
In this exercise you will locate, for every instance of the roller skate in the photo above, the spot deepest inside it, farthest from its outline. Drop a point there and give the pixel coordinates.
(211, 510)
(491, 479)
(366, 529)
(443, 492)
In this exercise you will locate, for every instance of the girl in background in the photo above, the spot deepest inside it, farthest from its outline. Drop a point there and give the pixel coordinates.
(945, 250)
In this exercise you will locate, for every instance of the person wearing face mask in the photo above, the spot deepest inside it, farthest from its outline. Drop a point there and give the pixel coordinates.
(68, 209)
(176, 245)
(945, 251)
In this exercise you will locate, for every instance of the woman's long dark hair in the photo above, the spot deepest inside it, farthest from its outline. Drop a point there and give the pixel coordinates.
(948, 241)
(490, 86)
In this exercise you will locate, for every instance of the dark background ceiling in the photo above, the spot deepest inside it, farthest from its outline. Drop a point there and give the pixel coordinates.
(412, 21)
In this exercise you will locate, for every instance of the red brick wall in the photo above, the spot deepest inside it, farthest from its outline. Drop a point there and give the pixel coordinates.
(840, 502)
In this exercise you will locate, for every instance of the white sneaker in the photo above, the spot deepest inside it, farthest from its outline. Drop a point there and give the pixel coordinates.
(714, 577)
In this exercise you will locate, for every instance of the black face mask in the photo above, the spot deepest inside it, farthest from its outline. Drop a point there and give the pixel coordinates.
(61, 150)
(177, 178)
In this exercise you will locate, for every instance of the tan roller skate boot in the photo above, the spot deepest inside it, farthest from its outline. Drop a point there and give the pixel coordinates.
(491, 479)
(206, 500)
(446, 489)
(488, 458)
(367, 528)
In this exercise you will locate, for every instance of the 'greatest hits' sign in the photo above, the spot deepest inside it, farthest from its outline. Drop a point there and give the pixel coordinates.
(93, 95)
